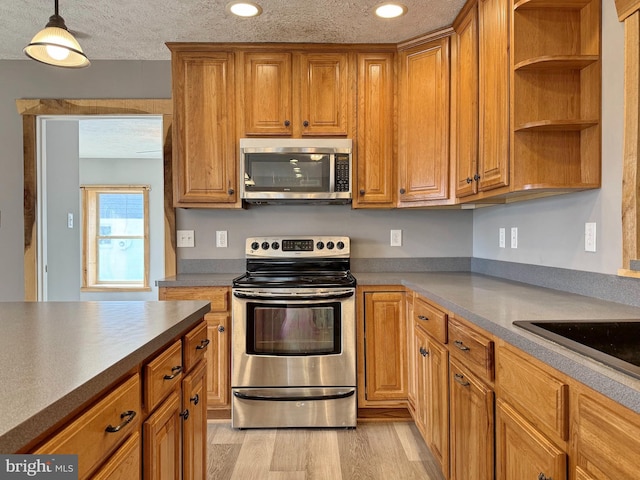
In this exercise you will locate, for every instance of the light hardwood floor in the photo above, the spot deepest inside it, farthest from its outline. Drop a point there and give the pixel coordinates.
(372, 451)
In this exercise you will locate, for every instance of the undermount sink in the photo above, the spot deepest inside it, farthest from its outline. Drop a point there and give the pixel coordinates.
(615, 343)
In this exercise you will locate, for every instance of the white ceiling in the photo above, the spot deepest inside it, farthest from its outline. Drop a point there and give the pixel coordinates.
(138, 29)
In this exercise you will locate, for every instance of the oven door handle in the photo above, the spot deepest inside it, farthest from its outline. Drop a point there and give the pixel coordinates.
(296, 398)
(279, 296)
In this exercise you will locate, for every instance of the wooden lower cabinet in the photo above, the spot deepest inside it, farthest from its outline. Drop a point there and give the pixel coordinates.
(605, 443)
(432, 397)
(382, 371)
(218, 352)
(522, 451)
(194, 424)
(471, 425)
(161, 434)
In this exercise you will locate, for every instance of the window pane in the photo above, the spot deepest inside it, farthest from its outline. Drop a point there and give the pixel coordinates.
(121, 214)
(121, 260)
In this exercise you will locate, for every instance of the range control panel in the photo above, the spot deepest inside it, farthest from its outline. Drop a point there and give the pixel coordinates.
(320, 246)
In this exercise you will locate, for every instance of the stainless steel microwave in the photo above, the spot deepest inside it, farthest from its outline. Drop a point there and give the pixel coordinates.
(278, 170)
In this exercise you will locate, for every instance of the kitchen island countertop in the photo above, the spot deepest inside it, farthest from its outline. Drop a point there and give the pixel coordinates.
(493, 304)
(55, 356)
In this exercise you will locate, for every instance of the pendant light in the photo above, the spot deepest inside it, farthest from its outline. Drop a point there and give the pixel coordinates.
(54, 45)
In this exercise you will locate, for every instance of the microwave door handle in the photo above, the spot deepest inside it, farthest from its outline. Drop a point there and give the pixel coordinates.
(280, 296)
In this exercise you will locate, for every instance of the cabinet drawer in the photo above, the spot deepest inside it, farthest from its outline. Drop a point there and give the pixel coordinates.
(195, 345)
(537, 394)
(431, 319)
(472, 348)
(162, 374)
(217, 296)
(124, 463)
(88, 435)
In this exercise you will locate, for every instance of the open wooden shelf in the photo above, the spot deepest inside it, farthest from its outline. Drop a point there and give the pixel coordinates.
(556, 4)
(556, 125)
(557, 62)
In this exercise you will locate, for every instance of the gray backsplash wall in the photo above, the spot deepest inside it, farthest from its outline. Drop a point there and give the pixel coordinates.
(425, 233)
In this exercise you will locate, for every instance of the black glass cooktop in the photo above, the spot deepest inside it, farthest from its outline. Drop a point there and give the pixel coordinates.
(615, 343)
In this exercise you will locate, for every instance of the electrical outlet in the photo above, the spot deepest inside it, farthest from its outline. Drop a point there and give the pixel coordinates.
(502, 235)
(514, 237)
(221, 239)
(69, 220)
(396, 238)
(590, 237)
(186, 238)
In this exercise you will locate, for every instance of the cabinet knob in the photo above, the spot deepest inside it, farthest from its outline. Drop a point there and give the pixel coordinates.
(185, 414)
(402, 191)
(424, 352)
(221, 328)
(231, 191)
(542, 476)
(469, 179)
(305, 123)
(476, 177)
(195, 399)
(287, 123)
(362, 191)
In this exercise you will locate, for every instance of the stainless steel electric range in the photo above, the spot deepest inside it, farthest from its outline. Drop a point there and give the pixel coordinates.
(294, 334)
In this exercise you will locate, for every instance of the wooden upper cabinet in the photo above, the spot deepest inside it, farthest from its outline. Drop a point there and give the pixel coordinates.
(493, 51)
(294, 94)
(423, 124)
(204, 159)
(266, 93)
(464, 56)
(375, 170)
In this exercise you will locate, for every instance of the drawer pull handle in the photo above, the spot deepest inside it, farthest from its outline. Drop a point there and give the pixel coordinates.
(221, 328)
(127, 416)
(195, 399)
(422, 317)
(460, 379)
(175, 371)
(461, 346)
(185, 414)
(203, 344)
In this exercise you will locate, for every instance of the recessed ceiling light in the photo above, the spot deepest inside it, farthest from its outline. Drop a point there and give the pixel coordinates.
(244, 9)
(390, 10)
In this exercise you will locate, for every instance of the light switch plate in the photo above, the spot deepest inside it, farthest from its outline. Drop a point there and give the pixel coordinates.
(186, 238)
(502, 235)
(221, 239)
(396, 238)
(514, 237)
(590, 237)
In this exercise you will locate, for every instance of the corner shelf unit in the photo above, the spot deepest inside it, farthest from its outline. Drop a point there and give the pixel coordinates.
(555, 92)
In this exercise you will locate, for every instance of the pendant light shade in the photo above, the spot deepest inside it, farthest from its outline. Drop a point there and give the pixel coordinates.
(54, 45)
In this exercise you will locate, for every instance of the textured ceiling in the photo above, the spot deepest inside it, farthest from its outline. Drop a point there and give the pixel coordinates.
(138, 29)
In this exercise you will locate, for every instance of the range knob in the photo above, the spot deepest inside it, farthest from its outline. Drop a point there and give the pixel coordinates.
(265, 245)
(275, 245)
(330, 245)
(340, 245)
(320, 245)
(255, 246)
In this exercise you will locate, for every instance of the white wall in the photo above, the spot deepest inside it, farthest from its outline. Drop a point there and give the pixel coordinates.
(551, 231)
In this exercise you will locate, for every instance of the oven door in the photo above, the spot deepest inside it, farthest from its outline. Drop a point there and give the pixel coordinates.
(293, 338)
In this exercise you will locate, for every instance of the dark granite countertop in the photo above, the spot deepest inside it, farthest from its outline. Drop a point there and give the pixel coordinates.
(493, 304)
(57, 355)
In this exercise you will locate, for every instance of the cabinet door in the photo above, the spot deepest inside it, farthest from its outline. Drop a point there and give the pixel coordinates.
(266, 97)
(323, 83)
(161, 433)
(204, 163)
(472, 425)
(438, 403)
(465, 125)
(218, 356)
(493, 31)
(385, 346)
(522, 451)
(375, 182)
(194, 432)
(423, 123)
